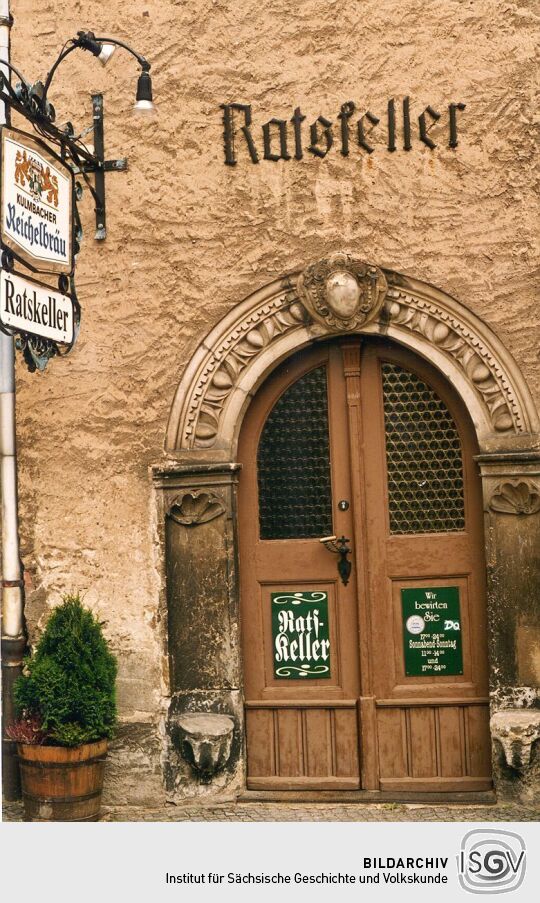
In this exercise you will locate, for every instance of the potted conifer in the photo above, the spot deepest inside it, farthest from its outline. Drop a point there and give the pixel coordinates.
(66, 703)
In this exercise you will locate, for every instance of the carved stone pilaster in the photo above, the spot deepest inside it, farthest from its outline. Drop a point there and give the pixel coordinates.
(512, 530)
(198, 504)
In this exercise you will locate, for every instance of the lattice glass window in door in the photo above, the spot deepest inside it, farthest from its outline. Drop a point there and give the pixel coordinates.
(293, 463)
(423, 457)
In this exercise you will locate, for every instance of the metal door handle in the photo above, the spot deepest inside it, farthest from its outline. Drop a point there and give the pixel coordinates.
(340, 547)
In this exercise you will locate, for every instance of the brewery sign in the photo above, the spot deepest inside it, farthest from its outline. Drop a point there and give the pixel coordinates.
(36, 204)
(31, 308)
(300, 635)
(432, 631)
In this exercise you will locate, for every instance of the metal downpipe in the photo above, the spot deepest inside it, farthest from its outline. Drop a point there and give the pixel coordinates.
(13, 632)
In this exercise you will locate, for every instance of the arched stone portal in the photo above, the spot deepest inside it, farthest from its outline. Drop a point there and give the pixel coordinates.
(197, 482)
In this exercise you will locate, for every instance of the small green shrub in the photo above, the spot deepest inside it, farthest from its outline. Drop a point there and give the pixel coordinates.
(69, 681)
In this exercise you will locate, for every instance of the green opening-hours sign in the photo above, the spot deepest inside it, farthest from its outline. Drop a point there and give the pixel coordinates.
(432, 631)
(300, 635)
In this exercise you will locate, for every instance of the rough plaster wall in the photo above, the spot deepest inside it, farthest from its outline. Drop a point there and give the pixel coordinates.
(190, 237)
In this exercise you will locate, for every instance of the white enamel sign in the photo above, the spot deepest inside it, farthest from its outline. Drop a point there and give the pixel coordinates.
(28, 306)
(36, 204)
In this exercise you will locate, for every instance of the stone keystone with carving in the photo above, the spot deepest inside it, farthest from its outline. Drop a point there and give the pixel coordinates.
(342, 292)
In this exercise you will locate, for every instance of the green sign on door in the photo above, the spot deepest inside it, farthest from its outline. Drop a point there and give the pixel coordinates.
(300, 635)
(432, 631)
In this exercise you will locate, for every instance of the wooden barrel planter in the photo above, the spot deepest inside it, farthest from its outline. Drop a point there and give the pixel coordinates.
(61, 783)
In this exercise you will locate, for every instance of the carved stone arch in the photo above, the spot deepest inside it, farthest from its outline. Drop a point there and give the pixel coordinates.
(293, 311)
(196, 484)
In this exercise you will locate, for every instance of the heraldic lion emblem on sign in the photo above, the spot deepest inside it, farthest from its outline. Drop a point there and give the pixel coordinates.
(42, 185)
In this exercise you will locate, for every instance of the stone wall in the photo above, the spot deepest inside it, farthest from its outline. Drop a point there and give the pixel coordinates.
(189, 237)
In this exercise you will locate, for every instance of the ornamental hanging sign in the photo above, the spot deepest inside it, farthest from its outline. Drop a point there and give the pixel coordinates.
(432, 631)
(300, 635)
(29, 307)
(36, 204)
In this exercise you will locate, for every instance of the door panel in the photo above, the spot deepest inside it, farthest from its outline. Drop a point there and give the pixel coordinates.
(428, 747)
(313, 727)
(295, 745)
(435, 545)
(367, 424)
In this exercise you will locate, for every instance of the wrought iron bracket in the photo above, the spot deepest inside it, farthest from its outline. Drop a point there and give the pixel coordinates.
(340, 547)
(81, 161)
(102, 166)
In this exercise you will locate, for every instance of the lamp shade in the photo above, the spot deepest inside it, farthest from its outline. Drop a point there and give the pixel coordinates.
(105, 53)
(144, 102)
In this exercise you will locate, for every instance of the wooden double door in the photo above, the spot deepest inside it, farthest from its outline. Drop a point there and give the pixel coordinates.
(377, 679)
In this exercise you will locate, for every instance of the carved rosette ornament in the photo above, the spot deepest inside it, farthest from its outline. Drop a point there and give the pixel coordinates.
(341, 292)
(516, 497)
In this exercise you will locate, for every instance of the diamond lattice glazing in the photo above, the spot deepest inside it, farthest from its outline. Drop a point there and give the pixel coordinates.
(293, 463)
(423, 457)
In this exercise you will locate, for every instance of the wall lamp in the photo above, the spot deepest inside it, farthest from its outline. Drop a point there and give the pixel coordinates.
(31, 101)
(103, 49)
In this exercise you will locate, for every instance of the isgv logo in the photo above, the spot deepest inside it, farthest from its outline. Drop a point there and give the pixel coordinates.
(491, 862)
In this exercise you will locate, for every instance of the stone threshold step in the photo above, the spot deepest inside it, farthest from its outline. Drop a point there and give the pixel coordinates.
(370, 797)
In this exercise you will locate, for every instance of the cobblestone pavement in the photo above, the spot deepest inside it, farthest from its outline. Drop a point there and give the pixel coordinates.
(270, 812)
